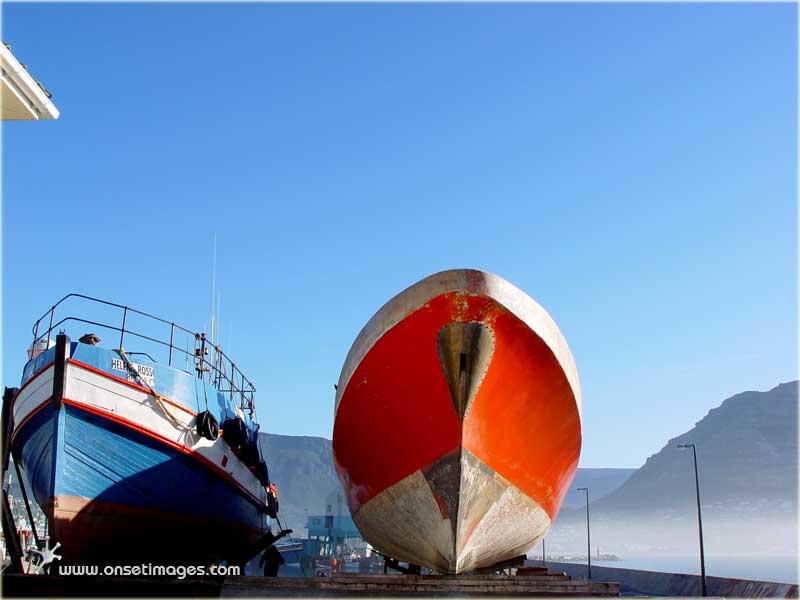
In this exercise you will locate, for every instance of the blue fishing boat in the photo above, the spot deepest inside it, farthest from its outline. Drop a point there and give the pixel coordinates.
(148, 453)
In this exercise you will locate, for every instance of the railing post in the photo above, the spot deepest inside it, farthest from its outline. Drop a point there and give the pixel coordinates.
(171, 337)
(124, 319)
(217, 366)
(35, 335)
(50, 328)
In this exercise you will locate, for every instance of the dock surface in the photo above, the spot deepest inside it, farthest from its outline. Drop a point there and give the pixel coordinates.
(345, 584)
(421, 585)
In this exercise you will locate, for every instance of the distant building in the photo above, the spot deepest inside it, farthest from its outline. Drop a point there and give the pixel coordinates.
(23, 98)
(334, 533)
(323, 526)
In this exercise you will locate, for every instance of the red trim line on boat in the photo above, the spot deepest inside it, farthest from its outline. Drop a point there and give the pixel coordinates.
(30, 381)
(172, 444)
(124, 421)
(130, 384)
(27, 418)
(142, 430)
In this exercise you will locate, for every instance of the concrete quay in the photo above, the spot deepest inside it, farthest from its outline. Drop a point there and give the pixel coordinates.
(655, 583)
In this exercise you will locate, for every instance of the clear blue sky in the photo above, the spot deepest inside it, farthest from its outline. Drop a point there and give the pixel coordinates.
(632, 167)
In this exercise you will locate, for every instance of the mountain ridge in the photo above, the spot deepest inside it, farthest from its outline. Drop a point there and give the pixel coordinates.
(746, 450)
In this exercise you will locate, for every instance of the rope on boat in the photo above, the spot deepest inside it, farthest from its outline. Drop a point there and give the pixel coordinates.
(159, 398)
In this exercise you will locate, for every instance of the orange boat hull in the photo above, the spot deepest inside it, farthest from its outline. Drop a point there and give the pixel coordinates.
(458, 423)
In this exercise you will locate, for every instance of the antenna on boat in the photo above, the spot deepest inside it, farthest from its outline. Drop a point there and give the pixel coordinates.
(213, 284)
(216, 340)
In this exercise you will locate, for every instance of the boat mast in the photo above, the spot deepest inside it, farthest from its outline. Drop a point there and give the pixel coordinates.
(213, 285)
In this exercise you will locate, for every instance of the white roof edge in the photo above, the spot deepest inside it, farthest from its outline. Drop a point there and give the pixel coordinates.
(25, 86)
(472, 281)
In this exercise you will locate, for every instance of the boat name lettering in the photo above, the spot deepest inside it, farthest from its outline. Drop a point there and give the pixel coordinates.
(146, 372)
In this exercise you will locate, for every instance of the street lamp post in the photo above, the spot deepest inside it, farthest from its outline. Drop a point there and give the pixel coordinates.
(588, 535)
(544, 562)
(703, 590)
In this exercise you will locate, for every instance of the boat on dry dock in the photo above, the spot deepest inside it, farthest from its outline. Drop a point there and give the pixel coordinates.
(134, 458)
(457, 423)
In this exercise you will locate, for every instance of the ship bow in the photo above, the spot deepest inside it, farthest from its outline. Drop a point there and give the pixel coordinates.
(457, 426)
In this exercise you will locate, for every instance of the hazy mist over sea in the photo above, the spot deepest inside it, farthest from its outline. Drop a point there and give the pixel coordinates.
(747, 466)
(732, 536)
